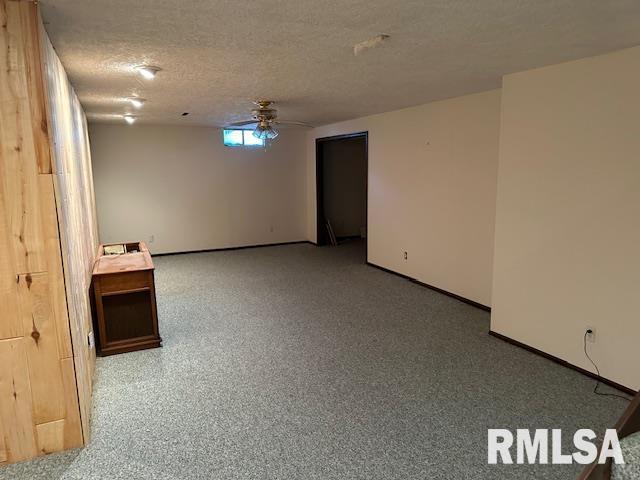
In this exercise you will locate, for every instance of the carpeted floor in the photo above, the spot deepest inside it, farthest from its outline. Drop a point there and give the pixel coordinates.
(299, 362)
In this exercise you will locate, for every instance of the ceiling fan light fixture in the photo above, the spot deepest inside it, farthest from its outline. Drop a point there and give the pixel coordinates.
(136, 101)
(148, 72)
(264, 117)
(265, 132)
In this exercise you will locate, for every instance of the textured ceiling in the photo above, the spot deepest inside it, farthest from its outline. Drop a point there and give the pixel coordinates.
(218, 56)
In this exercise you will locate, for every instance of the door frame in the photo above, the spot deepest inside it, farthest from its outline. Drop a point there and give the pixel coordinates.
(321, 235)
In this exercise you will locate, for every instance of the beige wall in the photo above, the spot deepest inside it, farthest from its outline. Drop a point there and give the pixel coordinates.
(568, 212)
(432, 184)
(182, 186)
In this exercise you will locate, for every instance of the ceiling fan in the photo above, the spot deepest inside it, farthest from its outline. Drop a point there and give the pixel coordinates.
(265, 119)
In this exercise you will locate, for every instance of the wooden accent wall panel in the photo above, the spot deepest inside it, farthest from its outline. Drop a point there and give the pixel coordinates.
(47, 241)
(73, 181)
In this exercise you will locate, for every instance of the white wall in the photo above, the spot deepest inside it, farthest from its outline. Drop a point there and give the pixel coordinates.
(184, 187)
(568, 212)
(432, 186)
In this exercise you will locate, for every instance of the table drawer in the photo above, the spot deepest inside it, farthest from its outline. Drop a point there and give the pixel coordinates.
(119, 282)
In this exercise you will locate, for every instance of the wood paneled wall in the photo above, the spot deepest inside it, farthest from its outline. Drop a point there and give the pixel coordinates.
(47, 239)
(75, 200)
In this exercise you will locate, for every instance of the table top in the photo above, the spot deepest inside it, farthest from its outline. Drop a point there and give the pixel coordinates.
(124, 262)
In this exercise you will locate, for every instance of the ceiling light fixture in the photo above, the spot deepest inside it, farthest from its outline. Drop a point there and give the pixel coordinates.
(265, 117)
(148, 72)
(136, 101)
(130, 119)
(264, 131)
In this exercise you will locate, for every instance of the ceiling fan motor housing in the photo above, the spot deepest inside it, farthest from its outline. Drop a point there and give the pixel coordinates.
(265, 118)
(261, 114)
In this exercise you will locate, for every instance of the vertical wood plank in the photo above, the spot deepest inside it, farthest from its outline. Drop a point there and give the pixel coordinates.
(12, 74)
(35, 83)
(41, 346)
(11, 78)
(18, 151)
(10, 323)
(20, 186)
(73, 437)
(48, 212)
(58, 297)
(3, 446)
(50, 436)
(15, 402)
(54, 264)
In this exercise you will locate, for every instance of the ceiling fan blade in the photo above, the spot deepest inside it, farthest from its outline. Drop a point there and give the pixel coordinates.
(293, 123)
(242, 124)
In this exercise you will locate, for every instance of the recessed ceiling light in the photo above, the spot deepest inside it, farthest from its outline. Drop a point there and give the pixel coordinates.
(129, 119)
(147, 71)
(136, 101)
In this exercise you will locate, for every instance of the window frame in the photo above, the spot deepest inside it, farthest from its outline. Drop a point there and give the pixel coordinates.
(243, 144)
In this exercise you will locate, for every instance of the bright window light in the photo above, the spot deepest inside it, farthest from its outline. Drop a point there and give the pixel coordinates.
(233, 138)
(249, 139)
(241, 138)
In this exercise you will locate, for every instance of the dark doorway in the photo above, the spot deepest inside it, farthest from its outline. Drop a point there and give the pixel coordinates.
(341, 186)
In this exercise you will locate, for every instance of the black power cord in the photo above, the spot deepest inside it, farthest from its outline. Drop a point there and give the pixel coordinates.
(595, 389)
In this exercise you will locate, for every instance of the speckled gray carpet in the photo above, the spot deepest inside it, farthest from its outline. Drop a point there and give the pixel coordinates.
(299, 362)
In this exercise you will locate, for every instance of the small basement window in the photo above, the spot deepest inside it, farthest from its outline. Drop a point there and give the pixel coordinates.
(241, 138)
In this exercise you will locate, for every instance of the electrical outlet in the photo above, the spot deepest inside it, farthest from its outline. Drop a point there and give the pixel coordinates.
(591, 337)
(152, 238)
(405, 255)
(271, 229)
